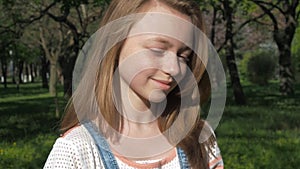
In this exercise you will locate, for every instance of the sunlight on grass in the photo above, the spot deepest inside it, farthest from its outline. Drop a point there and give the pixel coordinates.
(263, 134)
(22, 98)
(26, 154)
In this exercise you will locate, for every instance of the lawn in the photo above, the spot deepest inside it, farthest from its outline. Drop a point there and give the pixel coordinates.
(28, 126)
(263, 134)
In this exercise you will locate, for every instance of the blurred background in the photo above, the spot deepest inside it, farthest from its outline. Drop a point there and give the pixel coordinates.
(258, 42)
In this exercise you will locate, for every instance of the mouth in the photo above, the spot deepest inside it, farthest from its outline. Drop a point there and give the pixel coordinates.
(162, 84)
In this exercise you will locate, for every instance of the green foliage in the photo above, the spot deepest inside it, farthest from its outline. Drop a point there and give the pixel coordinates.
(68, 4)
(296, 54)
(102, 2)
(23, 52)
(259, 66)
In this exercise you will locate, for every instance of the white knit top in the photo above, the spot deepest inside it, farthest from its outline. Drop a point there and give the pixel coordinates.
(77, 150)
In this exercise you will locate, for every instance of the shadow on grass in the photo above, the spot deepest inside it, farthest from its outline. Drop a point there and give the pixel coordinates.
(27, 113)
(28, 127)
(27, 118)
(26, 89)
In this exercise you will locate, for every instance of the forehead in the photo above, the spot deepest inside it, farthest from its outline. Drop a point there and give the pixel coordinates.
(159, 7)
(165, 24)
(161, 19)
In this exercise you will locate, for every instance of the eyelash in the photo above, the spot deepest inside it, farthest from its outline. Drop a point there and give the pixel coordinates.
(161, 52)
(157, 51)
(185, 58)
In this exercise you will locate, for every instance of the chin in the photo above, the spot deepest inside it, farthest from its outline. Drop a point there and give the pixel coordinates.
(157, 96)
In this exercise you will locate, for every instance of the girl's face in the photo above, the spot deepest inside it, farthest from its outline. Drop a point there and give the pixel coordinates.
(151, 65)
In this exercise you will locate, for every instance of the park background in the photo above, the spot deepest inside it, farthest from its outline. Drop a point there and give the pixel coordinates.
(258, 42)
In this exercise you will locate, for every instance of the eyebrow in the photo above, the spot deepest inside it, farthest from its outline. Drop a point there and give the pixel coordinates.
(161, 40)
(166, 42)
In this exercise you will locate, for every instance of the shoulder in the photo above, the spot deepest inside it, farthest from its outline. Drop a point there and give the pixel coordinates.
(75, 134)
(214, 153)
(80, 139)
(215, 157)
(74, 149)
(75, 138)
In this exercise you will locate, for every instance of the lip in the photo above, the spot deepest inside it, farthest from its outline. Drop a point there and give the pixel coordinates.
(163, 84)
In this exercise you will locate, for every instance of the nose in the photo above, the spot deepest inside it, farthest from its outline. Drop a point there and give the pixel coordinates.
(170, 64)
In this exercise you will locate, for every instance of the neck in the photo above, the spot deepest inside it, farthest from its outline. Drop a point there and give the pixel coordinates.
(141, 124)
(140, 130)
(140, 116)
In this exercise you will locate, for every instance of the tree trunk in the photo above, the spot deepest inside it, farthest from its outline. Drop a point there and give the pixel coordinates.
(32, 73)
(230, 56)
(213, 27)
(53, 79)
(283, 35)
(283, 39)
(44, 71)
(68, 66)
(4, 72)
(234, 76)
(60, 77)
(35, 70)
(26, 77)
(14, 73)
(20, 72)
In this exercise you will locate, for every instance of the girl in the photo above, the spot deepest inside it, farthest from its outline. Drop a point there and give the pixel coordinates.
(136, 104)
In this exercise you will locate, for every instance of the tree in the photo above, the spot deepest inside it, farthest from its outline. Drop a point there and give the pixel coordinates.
(74, 18)
(227, 19)
(296, 54)
(51, 40)
(230, 54)
(284, 15)
(9, 33)
(5, 56)
(14, 18)
(77, 17)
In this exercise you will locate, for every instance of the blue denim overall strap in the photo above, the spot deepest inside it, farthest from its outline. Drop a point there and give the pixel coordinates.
(182, 159)
(107, 157)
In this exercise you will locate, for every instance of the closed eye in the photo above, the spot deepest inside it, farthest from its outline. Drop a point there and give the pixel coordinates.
(158, 51)
(183, 58)
(184, 55)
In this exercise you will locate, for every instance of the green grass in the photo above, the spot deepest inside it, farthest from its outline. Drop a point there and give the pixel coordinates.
(263, 134)
(28, 126)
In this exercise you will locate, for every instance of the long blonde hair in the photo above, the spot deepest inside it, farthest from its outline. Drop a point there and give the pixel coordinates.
(195, 151)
